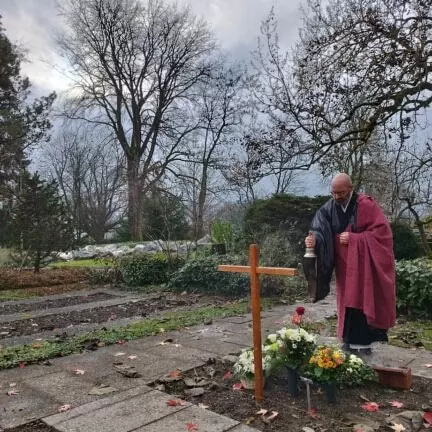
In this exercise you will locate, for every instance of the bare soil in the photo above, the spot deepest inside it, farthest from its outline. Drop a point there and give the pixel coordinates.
(53, 303)
(35, 426)
(293, 414)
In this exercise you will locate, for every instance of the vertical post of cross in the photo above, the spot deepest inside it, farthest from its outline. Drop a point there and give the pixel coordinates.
(256, 320)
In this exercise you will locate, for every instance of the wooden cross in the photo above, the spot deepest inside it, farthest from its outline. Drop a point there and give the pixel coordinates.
(254, 270)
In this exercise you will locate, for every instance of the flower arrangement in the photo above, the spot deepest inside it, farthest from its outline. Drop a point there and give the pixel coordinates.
(355, 371)
(289, 347)
(326, 364)
(244, 367)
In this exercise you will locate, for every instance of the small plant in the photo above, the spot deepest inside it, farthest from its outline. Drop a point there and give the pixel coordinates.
(355, 372)
(413, 284)
(326, 364)
(222, 233)
(290, 347)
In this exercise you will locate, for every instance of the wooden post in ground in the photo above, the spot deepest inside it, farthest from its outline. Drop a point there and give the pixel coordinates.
(254, 270)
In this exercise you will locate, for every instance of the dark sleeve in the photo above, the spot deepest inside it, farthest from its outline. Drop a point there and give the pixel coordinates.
(321, 226)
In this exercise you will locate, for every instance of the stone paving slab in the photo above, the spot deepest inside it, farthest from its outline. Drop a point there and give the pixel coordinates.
(27, 373)
(213, 346)
(96, 405)
(124, 416)
(28, 405)
(205, 420)
(243, 428)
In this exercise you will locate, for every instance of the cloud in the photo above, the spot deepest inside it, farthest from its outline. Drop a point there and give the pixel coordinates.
(236, 24)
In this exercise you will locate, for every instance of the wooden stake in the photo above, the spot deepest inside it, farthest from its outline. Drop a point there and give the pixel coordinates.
(256, 321)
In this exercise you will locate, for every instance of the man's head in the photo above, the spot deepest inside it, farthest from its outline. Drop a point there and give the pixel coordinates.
(341, 188)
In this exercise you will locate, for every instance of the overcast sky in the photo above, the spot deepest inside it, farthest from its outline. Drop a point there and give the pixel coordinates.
(236, 24)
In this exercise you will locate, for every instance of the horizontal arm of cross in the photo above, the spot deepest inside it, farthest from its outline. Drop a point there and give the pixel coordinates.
(278, 271)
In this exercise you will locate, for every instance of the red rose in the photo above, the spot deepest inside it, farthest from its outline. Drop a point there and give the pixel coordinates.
(300, 310)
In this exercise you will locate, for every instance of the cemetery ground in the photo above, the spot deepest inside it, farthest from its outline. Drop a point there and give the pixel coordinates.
(91, 350)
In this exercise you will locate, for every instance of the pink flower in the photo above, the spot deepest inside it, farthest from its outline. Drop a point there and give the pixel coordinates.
(300, 310)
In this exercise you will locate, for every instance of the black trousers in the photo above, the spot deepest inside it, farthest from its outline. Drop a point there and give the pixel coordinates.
(358, 332)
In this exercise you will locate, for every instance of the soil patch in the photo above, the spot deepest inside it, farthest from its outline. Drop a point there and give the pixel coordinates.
(54, 303)
(14, 279)
(293, 414)
(35, 426)
(146, 307)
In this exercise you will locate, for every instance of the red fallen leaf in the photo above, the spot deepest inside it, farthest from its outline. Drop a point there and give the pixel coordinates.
(313, 412)
(191, 427)
(227, 376)
(175, 402)
(237, 386)
(22, 365)
(174, 374)
(120, 342)
(397, 404)
(427, 417)
(370, 406)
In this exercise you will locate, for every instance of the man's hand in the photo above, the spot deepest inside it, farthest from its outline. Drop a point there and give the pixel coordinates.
(344, 238)
(310, 241)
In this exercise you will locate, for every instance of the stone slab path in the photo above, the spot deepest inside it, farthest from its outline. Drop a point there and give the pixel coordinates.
(133, 405)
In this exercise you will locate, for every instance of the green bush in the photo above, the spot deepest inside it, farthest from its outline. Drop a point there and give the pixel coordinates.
(201, 275)
(405, 243)
(149, 269)
(414, 287)
(282, 213)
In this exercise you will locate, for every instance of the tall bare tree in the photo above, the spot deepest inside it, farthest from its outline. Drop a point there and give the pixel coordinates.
(134, 67)
(89, 169)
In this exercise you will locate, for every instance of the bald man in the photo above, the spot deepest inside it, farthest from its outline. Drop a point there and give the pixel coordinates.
(352, 236)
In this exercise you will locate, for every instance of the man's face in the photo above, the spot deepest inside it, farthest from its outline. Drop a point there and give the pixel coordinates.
(340, 193)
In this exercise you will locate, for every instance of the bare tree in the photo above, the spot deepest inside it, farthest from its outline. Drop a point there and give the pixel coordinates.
(89, 169)
(134, 67)
(357, 65)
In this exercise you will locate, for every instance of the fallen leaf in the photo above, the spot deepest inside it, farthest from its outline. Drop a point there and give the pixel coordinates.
(370, 406)
(161, 330)
(312, 412)
(22, 365)
(427, 417)
(194, 391)
(201, 405)
(308, 429)
(176, 402)
(174, 374)
(166, 342)
(237, 386)
(120, 342)
(12, 384)
(64, 408)
(397, 427)
(36, 345)
(227, 376)
(428, 365)
(78, 371)
(271, 417)
(396, 404)
(119, 354)
(132, 357)
(12, 393)
(191, 427)
(262, 411)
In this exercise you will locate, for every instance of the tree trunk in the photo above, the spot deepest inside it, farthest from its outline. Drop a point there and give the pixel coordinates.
(37, 262)
(135, 201)
(199, 233)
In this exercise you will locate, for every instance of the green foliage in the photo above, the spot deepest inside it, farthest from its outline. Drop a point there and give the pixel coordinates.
(148, 269)
(39, 223)
(201, 275)
(414, 287)
(21, 123)
(222, 233)
(287, 213)
(406, 244)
